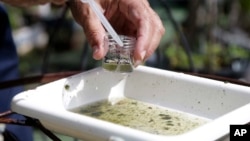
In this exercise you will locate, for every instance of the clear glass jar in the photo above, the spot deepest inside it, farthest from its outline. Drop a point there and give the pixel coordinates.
(119, 58)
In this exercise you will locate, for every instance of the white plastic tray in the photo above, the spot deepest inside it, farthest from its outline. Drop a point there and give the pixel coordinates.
(222, 103)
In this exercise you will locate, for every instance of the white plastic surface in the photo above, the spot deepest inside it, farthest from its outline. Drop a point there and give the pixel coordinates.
(222, 103)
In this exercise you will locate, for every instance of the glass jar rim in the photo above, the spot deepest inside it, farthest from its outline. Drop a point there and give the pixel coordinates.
(128, 41)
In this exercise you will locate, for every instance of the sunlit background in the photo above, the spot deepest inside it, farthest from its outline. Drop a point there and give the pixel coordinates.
(210, 36)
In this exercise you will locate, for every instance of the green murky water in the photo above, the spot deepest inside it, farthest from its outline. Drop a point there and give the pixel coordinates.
(118, 67)
(142, 116)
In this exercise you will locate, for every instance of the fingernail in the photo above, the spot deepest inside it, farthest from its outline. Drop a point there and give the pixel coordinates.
(137, 63)
(95, 52)
(95, 49)
(143, 54)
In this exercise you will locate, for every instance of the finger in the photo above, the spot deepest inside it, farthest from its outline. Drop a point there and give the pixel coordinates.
(157, 31)
(142, 43)
(138, 15)
(95, 35)
(150, 29)
(93, 28)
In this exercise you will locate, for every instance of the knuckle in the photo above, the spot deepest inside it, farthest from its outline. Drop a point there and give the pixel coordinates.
(91, 36)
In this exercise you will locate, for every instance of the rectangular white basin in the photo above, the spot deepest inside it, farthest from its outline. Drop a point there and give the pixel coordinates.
(220, 102)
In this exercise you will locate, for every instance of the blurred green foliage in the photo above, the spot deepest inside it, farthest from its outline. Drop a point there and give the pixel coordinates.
(245, 5)
(213, 58)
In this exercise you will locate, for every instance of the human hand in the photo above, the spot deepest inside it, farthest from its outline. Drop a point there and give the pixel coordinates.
(128, 17)
(25, 3)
